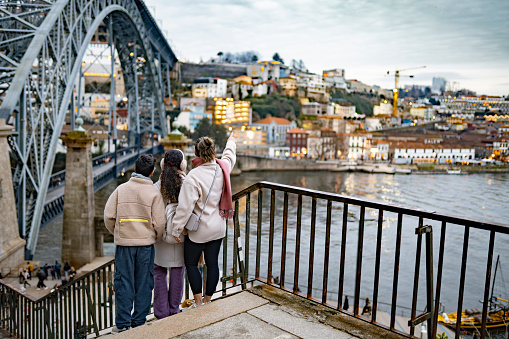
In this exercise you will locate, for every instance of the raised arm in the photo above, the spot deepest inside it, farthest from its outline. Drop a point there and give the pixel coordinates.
(230, 152)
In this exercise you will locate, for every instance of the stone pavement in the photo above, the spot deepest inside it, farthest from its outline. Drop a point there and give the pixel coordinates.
(260, 312)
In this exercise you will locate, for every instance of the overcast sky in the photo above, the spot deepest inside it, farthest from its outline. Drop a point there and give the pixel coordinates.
(464, 41)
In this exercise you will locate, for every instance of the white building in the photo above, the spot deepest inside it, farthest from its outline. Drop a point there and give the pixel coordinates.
(282, 152)
(216, 88)
(359, 146)
(384, 108)
(418, 152)
(438, 85)
(275, 128)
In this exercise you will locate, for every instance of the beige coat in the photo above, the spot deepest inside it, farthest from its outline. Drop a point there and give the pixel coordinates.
(193, 195)
(168, 253)
(134, 213)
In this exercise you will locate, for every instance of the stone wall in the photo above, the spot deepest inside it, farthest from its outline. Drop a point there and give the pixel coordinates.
(189, 72)
(248, 163)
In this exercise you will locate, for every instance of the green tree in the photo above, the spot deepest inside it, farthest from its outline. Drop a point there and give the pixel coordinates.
(205, 129)
(276, 57)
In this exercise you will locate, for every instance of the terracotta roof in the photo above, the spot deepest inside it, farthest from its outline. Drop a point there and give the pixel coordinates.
(279, 121)
(296, 130)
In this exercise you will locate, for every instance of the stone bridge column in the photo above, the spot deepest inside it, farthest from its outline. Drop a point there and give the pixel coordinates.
(12, 247)
(78, 236)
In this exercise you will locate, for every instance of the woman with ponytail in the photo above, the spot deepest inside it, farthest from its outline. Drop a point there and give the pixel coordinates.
(199, 185)
(169, 253)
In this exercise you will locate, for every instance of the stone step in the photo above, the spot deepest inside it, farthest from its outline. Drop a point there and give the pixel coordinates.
(196, 318)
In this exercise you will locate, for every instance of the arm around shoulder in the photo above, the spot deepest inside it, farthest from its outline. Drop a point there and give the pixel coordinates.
(158, 215)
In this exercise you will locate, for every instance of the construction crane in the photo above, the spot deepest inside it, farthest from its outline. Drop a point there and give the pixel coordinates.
(396, 86)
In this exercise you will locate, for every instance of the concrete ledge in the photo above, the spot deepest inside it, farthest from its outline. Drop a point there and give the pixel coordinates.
(325, 315)
(193, 319)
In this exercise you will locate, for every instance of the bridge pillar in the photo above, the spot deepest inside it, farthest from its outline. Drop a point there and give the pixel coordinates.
(78, 236)
(12, 247)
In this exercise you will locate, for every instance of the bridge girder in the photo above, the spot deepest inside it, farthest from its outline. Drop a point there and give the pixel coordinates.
(42, 44)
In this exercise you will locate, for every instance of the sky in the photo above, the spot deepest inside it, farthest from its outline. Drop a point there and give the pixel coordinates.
(466, 41)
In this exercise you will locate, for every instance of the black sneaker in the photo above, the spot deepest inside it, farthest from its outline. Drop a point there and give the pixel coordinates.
(115, 329)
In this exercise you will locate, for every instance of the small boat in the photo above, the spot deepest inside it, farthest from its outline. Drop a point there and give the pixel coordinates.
(403, 171)
(454, 171)
(471, 319)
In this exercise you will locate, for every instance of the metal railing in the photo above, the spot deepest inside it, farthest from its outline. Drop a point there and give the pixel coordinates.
(348, 240)
(83, 306)
(275, 246)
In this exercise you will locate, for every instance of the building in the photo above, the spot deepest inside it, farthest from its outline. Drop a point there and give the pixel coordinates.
(343, 108)
(297, 141)
(279, 152)
(356, 86)
(311, 110)
(379, 150)
(242, 87)
(438, 85)
(322, 144)
(275, 128)
(335, 78)
(192, 112)
(438, 153)
(216, 88)
(422, 112)
(384, 108)
(288, 85)
(249, 136)
(264, 70)
(232, 112)
(359, 146)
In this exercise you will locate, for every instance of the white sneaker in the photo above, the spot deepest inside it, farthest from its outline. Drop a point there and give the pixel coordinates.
(45, 288)
(38, 289)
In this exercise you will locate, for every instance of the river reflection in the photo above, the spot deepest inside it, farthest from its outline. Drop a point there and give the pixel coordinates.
(482, 196)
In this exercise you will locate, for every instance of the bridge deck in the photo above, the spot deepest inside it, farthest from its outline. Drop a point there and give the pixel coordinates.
(98, 170)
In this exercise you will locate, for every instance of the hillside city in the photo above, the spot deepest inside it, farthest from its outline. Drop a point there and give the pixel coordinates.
(284, 111)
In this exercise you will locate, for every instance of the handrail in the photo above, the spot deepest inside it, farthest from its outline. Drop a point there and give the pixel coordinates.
(489, 226)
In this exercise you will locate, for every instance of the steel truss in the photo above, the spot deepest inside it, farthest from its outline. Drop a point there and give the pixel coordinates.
(42, 44)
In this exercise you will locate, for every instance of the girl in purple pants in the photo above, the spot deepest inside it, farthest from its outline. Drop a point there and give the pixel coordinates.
(169, 254)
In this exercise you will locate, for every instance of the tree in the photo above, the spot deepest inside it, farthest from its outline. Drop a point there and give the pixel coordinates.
(220, 54)
(216, 132)
(254, 58)
(276, 57)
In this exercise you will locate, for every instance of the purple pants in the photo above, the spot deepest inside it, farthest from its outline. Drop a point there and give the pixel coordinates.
(167, 298)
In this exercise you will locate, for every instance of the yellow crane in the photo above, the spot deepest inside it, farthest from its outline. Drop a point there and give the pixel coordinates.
(396, 86)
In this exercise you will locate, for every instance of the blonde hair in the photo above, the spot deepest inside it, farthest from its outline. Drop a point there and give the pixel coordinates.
(205, 149)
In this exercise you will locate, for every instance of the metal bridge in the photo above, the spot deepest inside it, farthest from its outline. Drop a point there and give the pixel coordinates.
(42, 46)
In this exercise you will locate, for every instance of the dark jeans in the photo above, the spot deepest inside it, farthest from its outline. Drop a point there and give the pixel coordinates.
(134, 282)
(192, 253)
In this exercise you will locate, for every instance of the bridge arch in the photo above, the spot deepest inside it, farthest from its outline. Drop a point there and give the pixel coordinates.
(38, 84)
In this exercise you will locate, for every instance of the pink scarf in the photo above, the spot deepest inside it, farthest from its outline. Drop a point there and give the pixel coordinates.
(225, 204)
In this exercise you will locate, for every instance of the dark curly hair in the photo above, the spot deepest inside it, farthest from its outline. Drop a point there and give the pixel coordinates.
(171, 181)
(145, 164)
(205, 149)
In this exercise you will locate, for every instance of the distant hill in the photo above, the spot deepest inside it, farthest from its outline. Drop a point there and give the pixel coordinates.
(363, 103)
(275, 105)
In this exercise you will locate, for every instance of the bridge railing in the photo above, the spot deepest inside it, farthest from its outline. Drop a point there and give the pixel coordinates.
(323, 246)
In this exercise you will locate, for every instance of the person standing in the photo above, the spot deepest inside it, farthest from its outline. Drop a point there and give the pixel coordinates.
(206, 189)
(169, 254)
(67, 269)
(30, 270)
(346, 305)
(58, 270)
(134, 214)
(41, 276)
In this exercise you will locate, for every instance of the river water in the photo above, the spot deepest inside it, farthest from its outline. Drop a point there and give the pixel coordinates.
(479, 196)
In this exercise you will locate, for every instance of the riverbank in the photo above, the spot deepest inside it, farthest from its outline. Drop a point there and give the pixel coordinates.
(251, 163)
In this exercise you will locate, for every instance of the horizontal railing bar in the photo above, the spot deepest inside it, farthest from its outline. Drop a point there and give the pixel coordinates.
(490, 226)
